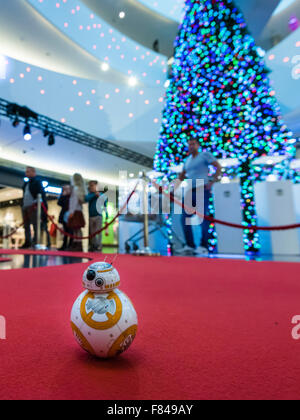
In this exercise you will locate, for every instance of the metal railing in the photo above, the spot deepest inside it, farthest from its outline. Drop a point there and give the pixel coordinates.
(45, 124)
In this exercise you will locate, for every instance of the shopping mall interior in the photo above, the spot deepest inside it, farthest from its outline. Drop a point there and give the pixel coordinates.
(149, 149)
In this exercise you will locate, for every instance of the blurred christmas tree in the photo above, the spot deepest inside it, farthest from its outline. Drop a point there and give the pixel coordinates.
(220, 92)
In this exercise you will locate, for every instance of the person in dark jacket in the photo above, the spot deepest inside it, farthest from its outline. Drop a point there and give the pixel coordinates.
(31, 189)
(96, 208)
(64, 203)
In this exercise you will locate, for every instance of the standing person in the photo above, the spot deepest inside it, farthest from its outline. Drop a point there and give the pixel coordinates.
(196, 167)
(31, 189)
(95, 216)
(64, 203)
(76, 218)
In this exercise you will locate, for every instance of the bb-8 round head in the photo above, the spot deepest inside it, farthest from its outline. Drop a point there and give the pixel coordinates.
(101, 277)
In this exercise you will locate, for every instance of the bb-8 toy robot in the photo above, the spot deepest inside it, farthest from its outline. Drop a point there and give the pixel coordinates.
(103, 319)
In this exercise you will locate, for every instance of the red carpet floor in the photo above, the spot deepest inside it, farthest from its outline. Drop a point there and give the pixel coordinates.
(208, 329)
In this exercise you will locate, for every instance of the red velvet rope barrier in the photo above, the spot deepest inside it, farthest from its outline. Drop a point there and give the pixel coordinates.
(13, 232)
(182, 205)
(80, 238)
(222, 222)
(19, 227)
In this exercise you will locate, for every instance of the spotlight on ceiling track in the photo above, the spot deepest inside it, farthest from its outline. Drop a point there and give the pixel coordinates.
(46, 132)
(16, 122)
(27, 133)
(51, 140)
(105, 67)
(122, 15)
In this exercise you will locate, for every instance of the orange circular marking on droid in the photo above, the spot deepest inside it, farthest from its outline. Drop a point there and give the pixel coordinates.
(112, 319)
(105, 271)
(123, 342)
(82, 340)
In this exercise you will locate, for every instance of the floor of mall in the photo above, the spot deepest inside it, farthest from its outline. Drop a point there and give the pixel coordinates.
(149, 201)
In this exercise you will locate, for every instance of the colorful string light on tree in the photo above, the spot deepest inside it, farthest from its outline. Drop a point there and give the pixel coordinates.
(219, 92)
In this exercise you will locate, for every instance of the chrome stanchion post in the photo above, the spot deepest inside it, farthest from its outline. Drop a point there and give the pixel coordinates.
(5, 233)
(146, 214)
(9, 239)
(146, 250)
(38, 245)
(38, 221)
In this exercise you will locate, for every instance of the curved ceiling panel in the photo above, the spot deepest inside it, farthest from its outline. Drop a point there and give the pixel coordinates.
(27, 36)
(278, 28)
(141, 24)
(283, 5)
(173, 9)
(146, 25)
(257, 13)
(101, 40)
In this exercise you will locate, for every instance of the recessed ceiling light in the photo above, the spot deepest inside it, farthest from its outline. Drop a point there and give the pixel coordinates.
(132, 81)
(122, 15)
(105, 67)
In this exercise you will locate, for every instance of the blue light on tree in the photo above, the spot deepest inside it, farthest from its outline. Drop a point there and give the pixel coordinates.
(220, 93)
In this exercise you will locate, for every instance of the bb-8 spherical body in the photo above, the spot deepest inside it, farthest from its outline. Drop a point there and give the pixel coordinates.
(103, 319)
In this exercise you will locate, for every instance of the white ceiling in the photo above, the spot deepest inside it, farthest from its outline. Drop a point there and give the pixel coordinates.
(152, 19)
(173, 9)
(277, 28)
(27, 36)
(141, 24)
(283, 5)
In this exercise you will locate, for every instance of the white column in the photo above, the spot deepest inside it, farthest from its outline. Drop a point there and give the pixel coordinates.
(275, 207)
(227, 199)
(85, 230)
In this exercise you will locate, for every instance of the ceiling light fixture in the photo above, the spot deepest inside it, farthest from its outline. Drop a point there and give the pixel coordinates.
(16, 122)
(105, 67)
(46, 132)
(132, 81)
(51, 140)
(27, 133)
(122, 15)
